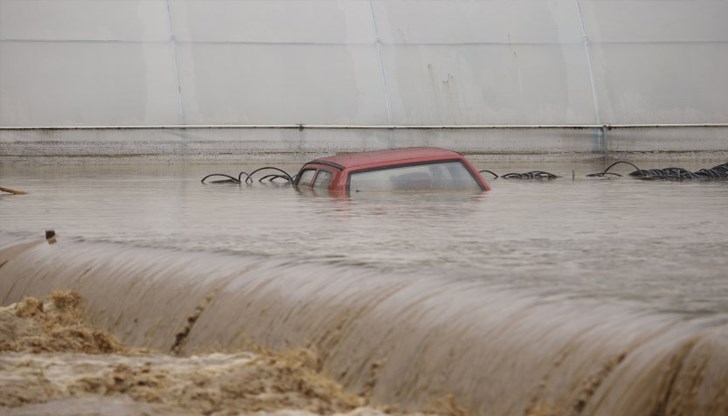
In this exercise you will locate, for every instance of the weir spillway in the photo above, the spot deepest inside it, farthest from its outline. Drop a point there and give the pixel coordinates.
(406, 339)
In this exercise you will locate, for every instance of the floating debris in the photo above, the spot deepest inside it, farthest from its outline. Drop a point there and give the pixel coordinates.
(12, 191)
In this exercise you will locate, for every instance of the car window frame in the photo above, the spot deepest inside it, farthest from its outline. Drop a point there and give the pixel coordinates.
(315, 178)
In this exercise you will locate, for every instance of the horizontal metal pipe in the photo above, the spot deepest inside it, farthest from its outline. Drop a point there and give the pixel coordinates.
(370, 127)
(355, 44)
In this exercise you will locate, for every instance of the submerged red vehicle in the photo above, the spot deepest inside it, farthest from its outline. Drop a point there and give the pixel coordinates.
(413, 168)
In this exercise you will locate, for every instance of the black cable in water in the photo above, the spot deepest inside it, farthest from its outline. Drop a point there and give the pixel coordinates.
(607, 172)
(538, 175)
(532, 175)
(283, 172)
(248, 177)
(240, 176)
(719, 172)
(229, 179)
(495, 176)
(272, 177)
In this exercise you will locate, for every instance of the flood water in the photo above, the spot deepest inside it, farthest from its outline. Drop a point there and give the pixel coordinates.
(576, 296)
(660, 244)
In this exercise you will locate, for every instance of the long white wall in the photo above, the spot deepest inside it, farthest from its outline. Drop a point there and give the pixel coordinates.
(379, 62)
(361, 63)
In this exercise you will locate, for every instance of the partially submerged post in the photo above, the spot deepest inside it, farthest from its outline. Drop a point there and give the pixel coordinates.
(50, 236)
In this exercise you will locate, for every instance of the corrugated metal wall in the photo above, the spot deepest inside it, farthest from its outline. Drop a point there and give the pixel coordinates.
(419, 62)
(362, 62)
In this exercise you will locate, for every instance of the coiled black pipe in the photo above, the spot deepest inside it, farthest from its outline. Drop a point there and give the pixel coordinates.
(532, 175)
(495, 176)
(281, 174)
(719, 172)
(229, 179)
(607, 172)
(538, 175)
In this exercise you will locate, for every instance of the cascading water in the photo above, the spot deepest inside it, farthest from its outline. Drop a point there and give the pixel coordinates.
(407, 338)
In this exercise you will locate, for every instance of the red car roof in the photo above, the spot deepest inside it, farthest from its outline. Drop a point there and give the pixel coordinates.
(390, 156)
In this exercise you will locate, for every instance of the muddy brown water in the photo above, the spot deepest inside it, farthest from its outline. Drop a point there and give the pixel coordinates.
(569, 297)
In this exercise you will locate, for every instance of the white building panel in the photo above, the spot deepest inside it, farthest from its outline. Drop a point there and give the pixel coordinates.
(92, 20)
(489, 84)
(655, 21)
(662, 83)
(459, 22)
(67, 84)
(273, 21)
(281, 84)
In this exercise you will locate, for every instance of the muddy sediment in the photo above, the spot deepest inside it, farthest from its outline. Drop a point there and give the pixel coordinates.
(52, 362)
(52, 324)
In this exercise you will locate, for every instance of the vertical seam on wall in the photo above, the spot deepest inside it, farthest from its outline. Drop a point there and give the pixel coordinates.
(600, 138)
(378, 43)
(173, 41)
(587, 51)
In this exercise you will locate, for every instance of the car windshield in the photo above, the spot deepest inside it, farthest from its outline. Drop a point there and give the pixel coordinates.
(429, 176)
